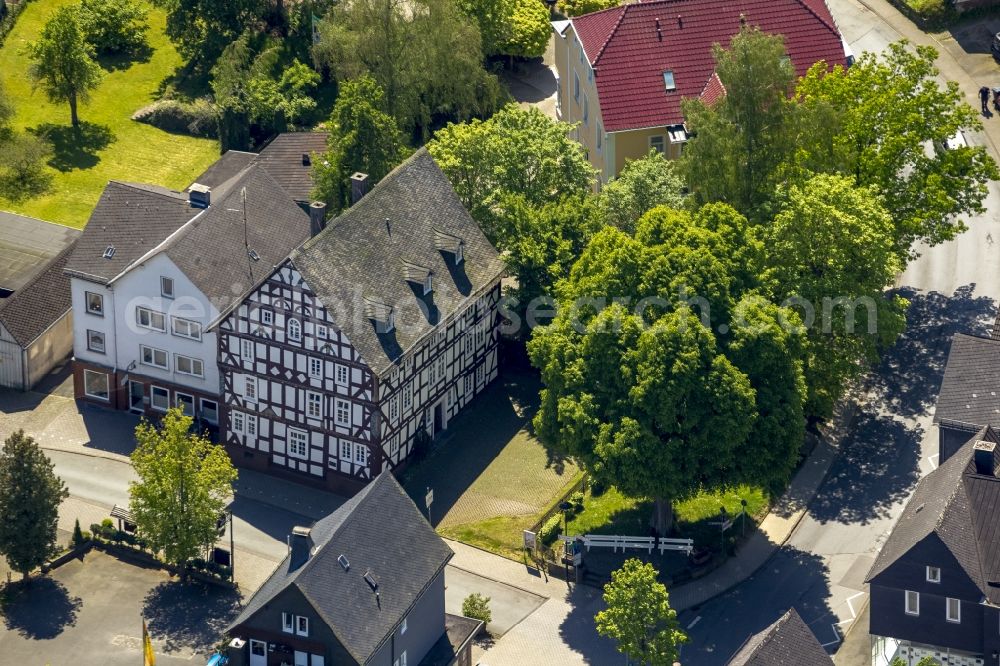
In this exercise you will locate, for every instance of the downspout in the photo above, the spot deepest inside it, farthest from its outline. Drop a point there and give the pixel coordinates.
(114, 370)
(24, 370)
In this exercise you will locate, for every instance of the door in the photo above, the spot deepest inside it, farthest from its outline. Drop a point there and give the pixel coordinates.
(438, 418)
(135, 395)
(258, 653)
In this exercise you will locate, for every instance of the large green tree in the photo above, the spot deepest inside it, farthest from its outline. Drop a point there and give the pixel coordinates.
(510, 27)
(638, 616)
(363, 137)
(30, 495)
(642, 185)
(202, 28)
(517, 151)
(62, 62)
(113, 26)
(184, 483)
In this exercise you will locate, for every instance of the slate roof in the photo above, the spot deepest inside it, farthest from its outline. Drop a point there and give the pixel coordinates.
(33, 308)
(282, 158)
(404, 559)
(27, 246)
(458, 631)
(362, 255)
(970, 389)
(629, 58)
(226, 167)
(960, 507)
(787, 641)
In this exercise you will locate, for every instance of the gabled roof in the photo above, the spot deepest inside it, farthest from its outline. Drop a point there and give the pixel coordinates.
(38, 304)
(228, 166)
(404, 557)
(629, 56)
(359, 259)
(282, 158)
(960, 507)
(970, 389)
(27, 246)
(787, 641)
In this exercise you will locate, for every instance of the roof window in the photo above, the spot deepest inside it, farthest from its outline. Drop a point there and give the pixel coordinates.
(668, 80)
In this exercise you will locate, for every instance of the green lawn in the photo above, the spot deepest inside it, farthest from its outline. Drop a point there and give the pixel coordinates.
(113, 146)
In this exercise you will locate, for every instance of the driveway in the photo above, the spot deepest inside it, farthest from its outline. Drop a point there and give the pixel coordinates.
(91, 612)
(508, 604)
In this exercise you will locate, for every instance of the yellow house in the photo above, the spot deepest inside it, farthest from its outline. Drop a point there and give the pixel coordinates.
(623, 72)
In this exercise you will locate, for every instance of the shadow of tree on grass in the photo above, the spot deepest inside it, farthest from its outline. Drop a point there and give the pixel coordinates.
(40, 610)
(75, 148)
(189, 616)
(111, 62)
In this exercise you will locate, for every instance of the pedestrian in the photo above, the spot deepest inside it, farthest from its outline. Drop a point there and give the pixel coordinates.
(984, 97)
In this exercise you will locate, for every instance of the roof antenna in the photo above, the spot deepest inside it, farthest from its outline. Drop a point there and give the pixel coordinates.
(388, 228)
(246, 239)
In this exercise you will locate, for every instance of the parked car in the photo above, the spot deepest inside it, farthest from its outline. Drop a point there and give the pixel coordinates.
(957, 140)
(995, 46)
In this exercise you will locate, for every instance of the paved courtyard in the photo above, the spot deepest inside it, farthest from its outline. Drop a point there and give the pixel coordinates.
(90, 612)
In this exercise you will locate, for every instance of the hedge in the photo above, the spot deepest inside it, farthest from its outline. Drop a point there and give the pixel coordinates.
(198, 118)
(8, 16)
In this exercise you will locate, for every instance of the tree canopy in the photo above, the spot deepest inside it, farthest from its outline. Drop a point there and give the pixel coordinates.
(510, 27)
(184, 483)
(203, 28)
(30, 495)
(113, 26)
(62, 62)
(642, 185)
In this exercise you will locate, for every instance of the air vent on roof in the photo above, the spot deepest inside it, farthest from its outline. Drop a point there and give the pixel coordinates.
(370, 579)
(344, 563)
(306, 161)
(109, 252)
(253, 255)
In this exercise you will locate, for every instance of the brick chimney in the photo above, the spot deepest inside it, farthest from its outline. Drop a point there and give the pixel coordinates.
(317, 217)
(359, 186)
(983, 455)
(302, 545)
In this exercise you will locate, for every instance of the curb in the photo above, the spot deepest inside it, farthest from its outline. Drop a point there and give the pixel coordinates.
(90, 454)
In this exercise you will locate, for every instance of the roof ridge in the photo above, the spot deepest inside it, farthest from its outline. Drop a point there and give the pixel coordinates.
(149, 188)
(611, 34)
(832, 28)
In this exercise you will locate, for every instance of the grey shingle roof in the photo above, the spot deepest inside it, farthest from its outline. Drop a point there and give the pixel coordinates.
(283, 160)
(39, 303)
(362, 254)
(970, 389)
(134, 219)
(787, 641)
(960, 507)
(26, 247)
(229, 165)
(404, 558)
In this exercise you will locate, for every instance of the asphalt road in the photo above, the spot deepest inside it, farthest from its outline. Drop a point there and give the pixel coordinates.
(821, 569)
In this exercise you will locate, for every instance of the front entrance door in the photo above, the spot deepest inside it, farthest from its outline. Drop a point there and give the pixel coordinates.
(438, 418)
(258, 653)
(135, 396)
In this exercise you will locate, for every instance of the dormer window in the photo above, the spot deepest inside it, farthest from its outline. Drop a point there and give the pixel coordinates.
(429, 283)
(668, 80)
(460, 253)
(419, 275)
(450, 243)
(381, 314)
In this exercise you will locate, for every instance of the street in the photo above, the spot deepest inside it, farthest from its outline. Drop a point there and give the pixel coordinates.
(821, 569)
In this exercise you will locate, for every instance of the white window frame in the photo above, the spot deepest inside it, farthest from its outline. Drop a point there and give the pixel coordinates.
(301, 439)
(460, 253)
(345, 450)
(360, 454)
(91, 346)
(586, 110)
(908, 607)
(407, 395)
(251, 425)
(315, 367)
(152, 398)
(250, 387)
(429, 284)
(193, 328)
(287, 623)
(600, 138)
(294, 330)
(314, 405)
(342, 375)
(239, 425)
(576, 87)
(954, 619)
(658, 139)
(266, 316)
(150, 315)
(247, 350)
(933, 574)
(669, 80)
(321, 332)
(180, 359)
(164, 291)
(393, 409)
(177, 401)
(343, 412)
(402, 627)
(152, 363)
(107, 385)
(201, 403)
(301, 625)
(90, 298)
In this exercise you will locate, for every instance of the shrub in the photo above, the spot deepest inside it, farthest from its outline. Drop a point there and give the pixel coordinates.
(576, 499)
(8, 16)
(580, 7)
(477, 606)
(550, 530)
(597, 487)
(198, 118)
(22, 167)
(113, 26)
(932, 11)
(77, 534)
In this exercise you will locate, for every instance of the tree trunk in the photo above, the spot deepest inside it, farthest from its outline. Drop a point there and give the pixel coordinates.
(72, 111)
(662, 519)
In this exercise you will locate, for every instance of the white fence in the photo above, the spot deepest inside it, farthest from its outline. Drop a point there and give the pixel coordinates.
(639, 543)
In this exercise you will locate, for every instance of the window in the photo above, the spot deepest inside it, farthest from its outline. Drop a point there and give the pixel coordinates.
(402, 658)
(441, 367)
(321, 332)
(586, 110)
(314, 405)
(402, 627)
(167, 287)
(186, 328)
(460, 253)
(480, 373)
(933, 575)
(95, 303)
(95, 341)
(429, 284)
(316, 368)
(912, 603)
(341, 375)
(600, 137)
(160, 398)
(251, 425)
(407, 395)
(210, 410)
(294, 330)
(576, 86)
(239, 423)
(345, 451)
(250, 387)
(431, 376)
(246, 350)
(95, 384)
(297, 445)
(393, 409)
(953, 610)
(668, 80)
(361, 454)
(151, 319)
(657, 143)
(266, 317)
(468, 384)
(154, 357)
(185, 402)
(301, 625)
(287, 623)
(185, 365)
(343, 412)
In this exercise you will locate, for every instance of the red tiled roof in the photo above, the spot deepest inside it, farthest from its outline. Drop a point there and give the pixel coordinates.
(629, 58)
(714, 90)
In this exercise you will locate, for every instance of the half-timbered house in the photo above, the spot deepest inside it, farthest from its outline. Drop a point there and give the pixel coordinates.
(367, 339)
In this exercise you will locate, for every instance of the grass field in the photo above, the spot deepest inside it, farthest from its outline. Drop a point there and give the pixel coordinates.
(113, 147)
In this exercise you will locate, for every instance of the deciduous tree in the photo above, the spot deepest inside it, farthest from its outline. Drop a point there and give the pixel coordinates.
(202, 28)
(62, 62)
(30, 495)
(642, 185)
(113, 26)
(639, 617)
(184, 483)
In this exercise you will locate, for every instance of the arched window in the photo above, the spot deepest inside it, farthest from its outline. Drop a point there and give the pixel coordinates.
(294, 330)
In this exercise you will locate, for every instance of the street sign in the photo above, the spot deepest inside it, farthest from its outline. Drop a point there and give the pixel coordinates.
(529, 540)
(429, 498)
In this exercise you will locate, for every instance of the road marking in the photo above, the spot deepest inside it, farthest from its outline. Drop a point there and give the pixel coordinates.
(933, 461)
(836, 632)
(694, 622)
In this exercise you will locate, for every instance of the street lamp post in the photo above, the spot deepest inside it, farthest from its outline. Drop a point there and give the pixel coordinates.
(743, 518)
(722, 532)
